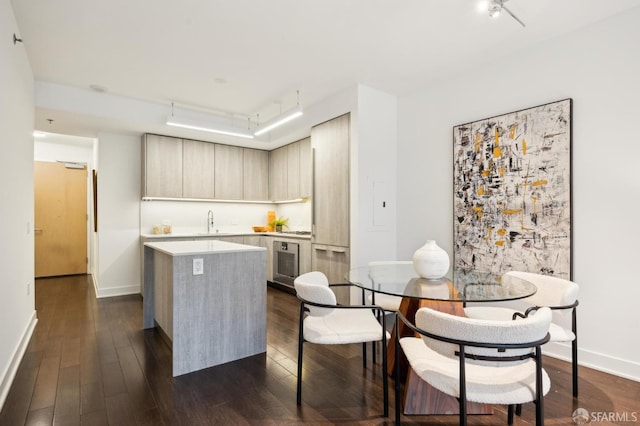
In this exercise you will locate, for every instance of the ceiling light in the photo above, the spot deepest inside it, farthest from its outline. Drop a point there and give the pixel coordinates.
(206, 123)
(279, 120)
(185, 123)
(495, 8)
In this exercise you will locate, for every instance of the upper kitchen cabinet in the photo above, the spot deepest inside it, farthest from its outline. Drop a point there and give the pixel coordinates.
(256, 174)
(162, 175)
(290, 171)
(278, 187)
(293, 171)
(198, 179)
(330, 214)
(229, 172)
(305, 167)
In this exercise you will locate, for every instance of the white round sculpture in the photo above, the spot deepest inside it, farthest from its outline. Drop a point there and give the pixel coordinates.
(430, 261)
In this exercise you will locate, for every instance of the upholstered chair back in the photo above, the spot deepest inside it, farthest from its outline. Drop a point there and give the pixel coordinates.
(552, 291)
(314, 287)
(521, 330)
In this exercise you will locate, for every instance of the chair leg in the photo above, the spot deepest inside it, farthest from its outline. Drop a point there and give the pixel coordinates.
(518, 410)
(385, 379)
(574, 350)
(374, 346)
(300, 342)
(510, 415)
(462, 400)
(539, 392)
(574, 356)
(397, 374)
(364, 355)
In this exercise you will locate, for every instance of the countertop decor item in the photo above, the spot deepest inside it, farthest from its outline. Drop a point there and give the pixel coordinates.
(430, 261)
(271, 216)
(280, 223)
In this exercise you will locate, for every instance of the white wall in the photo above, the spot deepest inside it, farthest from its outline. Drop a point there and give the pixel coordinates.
(119, 194)
(17, 310)
(598, 67)
(374, 169)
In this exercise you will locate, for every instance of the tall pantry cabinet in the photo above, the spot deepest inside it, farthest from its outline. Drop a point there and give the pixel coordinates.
(330, 214)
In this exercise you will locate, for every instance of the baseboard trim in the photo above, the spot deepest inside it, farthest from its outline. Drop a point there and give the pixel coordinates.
(597, 361)
(117, 291)
(12, 369)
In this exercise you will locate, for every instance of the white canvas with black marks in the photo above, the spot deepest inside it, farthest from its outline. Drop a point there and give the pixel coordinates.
(512, 192)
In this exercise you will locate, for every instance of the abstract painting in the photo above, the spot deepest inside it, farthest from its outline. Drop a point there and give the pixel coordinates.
(512, 192)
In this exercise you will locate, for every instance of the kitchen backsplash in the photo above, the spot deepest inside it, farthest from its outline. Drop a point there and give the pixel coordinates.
(191, 217)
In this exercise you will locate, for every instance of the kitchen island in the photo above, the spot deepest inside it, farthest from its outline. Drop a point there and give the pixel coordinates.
(208, 297)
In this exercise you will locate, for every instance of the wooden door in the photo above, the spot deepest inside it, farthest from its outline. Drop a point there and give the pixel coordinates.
(60, 220)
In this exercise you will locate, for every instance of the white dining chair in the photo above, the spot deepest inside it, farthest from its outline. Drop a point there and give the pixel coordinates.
(556, 293)
(322, 321)
(388, 302)
(484, 361)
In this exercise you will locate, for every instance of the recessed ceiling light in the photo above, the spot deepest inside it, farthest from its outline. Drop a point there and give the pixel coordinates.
(220, 80)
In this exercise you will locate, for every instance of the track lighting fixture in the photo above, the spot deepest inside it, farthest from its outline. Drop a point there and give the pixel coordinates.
(495, 7)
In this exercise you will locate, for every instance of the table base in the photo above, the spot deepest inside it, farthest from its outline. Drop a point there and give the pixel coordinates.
(420, 398)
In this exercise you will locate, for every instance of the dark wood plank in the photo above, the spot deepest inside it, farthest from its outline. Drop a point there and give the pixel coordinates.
(89, 362)
(67, 408)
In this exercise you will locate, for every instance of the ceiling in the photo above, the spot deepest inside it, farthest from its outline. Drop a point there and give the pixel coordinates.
(241, 58)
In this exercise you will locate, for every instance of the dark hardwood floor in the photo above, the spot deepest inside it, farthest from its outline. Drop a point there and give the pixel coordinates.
(89, 362)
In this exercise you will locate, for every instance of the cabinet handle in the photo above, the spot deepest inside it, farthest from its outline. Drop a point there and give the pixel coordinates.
(37, 229)
(333, 249)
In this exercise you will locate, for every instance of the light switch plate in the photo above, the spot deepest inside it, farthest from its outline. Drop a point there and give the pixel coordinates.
(198, 266)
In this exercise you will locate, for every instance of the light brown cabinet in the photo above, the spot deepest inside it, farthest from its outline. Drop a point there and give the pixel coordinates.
(305, 168)
(330, 214)
(162, 167)
(330, 211)
(334, 262)
(228, 172)
(198, 165)
(293, 171)
(177, 168)
(290, 171)
(278, 169)
(256, 174)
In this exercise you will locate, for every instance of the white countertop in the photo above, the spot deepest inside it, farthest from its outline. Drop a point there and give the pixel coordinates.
(204, 235)
(185, 248)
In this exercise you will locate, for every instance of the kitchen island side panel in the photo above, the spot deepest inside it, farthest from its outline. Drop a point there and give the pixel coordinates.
(221, 315)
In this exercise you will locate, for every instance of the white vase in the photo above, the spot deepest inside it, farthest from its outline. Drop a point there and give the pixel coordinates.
(430, 261)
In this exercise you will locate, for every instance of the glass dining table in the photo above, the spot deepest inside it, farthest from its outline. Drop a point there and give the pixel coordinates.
(400, 279)
(447, 294)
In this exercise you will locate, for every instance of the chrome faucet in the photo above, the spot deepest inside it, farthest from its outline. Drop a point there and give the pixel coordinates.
(209, 221)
